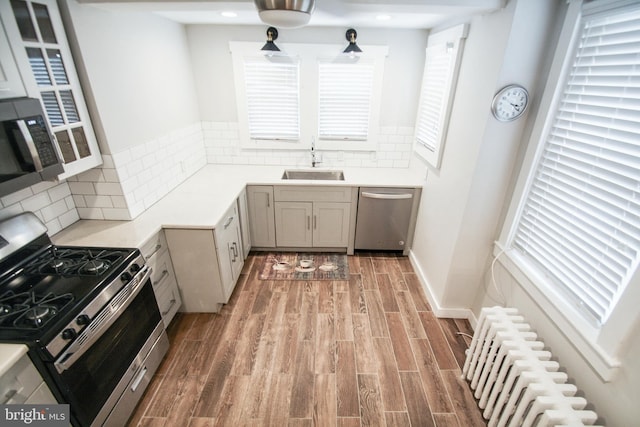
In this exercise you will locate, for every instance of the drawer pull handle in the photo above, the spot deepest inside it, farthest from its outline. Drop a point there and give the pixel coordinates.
(173, 302)
(164, 274)
(228, 222)
(234, 246)
(138, 380)
(10, 394)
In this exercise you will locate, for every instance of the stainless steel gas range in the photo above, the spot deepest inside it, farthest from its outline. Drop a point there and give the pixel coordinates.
(88, 315)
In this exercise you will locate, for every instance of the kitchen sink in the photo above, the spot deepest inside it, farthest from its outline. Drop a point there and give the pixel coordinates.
(325, 175)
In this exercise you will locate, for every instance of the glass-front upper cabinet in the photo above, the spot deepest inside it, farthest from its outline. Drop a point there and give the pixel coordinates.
(36, 35)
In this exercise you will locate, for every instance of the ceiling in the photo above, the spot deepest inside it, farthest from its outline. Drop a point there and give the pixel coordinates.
(355, 13)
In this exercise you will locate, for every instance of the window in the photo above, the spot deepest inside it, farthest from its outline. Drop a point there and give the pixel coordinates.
(576, 231)
(344, 105)
(443, 54)
(272, 92)
(312, 92)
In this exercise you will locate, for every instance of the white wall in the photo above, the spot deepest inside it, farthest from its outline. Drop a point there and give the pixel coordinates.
(463, 201)
(213, 69)
(139, 74)
(463, 204)
(137, 77)
(616, 402)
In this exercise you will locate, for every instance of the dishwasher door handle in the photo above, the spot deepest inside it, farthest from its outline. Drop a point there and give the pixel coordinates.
(386, 196)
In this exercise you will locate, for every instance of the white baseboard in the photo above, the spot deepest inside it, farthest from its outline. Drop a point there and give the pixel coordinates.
(438, 310)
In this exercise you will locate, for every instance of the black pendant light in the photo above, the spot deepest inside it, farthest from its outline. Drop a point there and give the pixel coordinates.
(270, 46)
(352, 48)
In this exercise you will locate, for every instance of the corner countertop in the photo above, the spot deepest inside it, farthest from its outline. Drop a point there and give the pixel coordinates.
(9, 355)
(202, 200)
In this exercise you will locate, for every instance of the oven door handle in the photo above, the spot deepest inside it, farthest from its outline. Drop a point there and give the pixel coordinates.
(103, 321)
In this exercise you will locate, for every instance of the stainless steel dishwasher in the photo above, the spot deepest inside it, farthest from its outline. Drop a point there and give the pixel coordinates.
(384, 218)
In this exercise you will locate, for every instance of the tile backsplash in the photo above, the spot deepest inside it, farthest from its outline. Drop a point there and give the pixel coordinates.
(222, 143)
(130, 181)
(50, 201)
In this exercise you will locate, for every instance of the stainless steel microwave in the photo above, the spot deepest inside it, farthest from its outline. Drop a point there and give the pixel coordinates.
(28, 153)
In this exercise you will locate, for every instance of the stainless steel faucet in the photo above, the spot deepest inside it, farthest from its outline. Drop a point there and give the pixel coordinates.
(314, 162)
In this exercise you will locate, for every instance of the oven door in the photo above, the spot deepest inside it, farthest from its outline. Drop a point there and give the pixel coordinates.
(93, 382)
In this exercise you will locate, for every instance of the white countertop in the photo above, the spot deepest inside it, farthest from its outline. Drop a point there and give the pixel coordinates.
(9, 355)
(201, 201)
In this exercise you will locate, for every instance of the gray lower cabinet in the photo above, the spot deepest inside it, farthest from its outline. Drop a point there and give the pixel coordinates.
(244, 223)
(163, 279)
(208, 262)
(22, 384)
(313, 216)
(261, 216)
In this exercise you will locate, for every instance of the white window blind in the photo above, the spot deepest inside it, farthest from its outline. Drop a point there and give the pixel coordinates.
(580, 222)
(272, 91)
(437, 70)
(441, 66)
(345, 97)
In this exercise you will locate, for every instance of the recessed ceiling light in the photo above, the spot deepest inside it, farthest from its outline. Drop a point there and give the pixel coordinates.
(229, 14)
(383, 17)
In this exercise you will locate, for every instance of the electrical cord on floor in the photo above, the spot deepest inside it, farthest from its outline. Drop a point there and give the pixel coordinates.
(464, 334)
(503, 301)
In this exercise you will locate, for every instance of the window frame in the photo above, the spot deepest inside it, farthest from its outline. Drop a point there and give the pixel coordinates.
(456, 37)
(309, 56)
(599, 344)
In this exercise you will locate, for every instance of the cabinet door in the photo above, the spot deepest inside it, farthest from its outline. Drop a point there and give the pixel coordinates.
(331, 224)
(229, 247)
(261, 216)
(10, 81)
(293, 224)
(195, 263)
(244, 224)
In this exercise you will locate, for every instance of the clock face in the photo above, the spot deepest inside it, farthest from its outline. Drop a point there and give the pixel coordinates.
(509, 103)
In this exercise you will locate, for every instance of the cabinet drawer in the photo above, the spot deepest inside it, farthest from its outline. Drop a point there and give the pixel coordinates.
(42, 396)
(169, 301)
(162, 271)
(155, 245)
(19, 382)
(302, 193)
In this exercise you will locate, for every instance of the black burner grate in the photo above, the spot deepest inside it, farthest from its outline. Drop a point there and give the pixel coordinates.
(28, 310)
(75, 262)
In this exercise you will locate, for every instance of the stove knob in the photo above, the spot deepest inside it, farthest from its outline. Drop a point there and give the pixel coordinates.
(69, 334)
(135, 268)
(83, 319)
(126, 277)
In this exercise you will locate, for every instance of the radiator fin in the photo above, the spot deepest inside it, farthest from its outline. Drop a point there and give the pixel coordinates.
(515, 380)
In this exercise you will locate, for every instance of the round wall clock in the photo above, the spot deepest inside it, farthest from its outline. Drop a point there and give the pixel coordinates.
(509, 103)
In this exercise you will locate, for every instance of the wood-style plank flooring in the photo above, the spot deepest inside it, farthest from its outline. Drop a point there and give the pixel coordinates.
(367, 351)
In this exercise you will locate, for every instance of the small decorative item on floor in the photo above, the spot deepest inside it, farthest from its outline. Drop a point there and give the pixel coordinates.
(312, 266)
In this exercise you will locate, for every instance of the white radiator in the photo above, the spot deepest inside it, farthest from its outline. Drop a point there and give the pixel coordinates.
(514, 379)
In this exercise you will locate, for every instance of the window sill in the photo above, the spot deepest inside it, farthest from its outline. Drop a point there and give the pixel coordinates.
(582, 335)
(264, 144)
